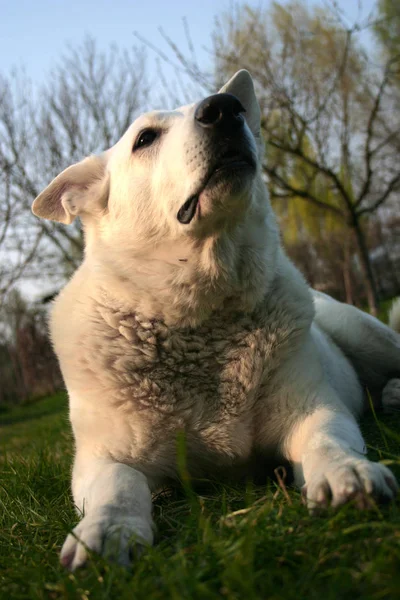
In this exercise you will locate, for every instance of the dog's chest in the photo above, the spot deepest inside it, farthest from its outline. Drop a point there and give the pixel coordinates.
(211, 382)
(199, 374)
(204, 381)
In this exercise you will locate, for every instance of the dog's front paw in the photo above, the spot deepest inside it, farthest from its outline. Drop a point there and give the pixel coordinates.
(349, 479)
(120, 540)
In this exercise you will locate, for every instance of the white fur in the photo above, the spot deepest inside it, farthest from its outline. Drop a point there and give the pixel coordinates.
(204, 329)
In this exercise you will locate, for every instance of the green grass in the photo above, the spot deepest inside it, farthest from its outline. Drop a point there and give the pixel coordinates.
(228, 542)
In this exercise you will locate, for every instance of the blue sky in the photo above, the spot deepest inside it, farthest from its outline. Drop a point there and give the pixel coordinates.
(33, 33)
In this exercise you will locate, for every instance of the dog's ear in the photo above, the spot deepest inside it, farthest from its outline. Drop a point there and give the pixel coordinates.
(241, 85)
(81, 189)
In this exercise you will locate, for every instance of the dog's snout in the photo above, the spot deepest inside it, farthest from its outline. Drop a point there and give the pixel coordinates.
(220, 111)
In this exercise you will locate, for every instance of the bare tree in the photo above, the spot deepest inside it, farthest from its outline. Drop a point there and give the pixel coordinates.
(89, 100)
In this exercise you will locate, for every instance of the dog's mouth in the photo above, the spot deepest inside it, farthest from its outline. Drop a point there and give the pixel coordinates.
(232, 163)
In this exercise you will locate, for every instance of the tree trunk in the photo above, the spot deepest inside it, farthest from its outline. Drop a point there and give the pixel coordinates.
(366, 267)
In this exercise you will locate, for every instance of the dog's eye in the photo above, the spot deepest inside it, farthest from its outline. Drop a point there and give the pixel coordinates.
(145, 138)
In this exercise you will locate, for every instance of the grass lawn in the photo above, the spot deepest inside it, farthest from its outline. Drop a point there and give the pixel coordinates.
(233, 543)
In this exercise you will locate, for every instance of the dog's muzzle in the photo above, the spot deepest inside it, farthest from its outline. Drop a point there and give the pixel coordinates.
(221, 115)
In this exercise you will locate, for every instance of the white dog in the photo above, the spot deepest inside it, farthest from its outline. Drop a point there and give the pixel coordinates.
(186, 316)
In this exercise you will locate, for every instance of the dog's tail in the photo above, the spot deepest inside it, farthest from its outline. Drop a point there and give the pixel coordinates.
(394, 316)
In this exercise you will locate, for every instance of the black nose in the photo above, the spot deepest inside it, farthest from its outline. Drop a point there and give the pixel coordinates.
(220, 111)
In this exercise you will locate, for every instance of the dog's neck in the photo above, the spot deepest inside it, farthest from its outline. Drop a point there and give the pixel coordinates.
(185, 283)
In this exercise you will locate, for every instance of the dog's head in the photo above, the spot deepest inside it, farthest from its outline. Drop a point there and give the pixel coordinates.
(172, 175)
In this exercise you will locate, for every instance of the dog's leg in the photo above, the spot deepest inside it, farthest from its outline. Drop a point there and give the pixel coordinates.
(372, 347)
(115, 501)
(328, 453)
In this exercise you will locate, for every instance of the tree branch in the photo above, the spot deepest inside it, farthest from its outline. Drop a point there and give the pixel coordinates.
(319, 167)
(391, 188)
(368, 152)
(305, 194)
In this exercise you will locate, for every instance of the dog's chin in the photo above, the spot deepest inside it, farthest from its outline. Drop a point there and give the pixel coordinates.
(229, 180)
(223, 192)
(225, 188)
